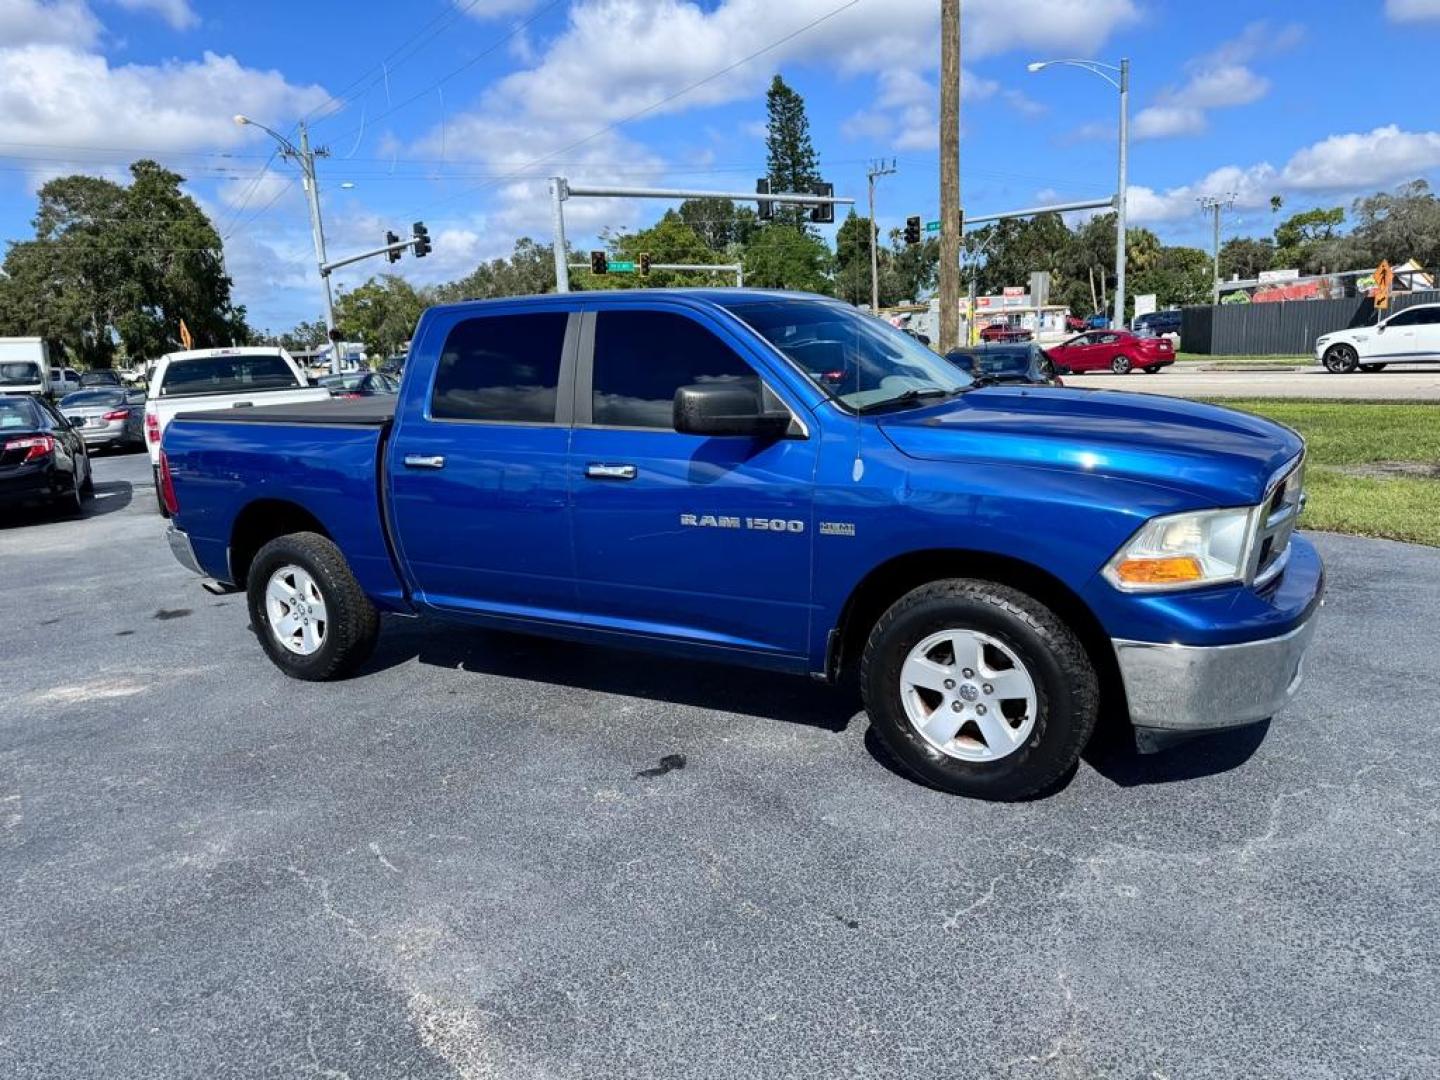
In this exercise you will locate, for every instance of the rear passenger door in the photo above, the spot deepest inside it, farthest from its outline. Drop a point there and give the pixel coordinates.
(703, 539)
(477, 465)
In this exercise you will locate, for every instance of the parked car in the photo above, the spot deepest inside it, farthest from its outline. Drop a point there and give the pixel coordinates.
(1410, 336)
(100, 377)
(1098, 321)
(1004, 332)
(1019, 363)
(393, 366)
(63, 380)
(42, 458)
(107, 417)
(1157, 323)
(357, 384)
(776, 480)
(201, 380)
(24, 363)
(1113, 350)
(1075, 323)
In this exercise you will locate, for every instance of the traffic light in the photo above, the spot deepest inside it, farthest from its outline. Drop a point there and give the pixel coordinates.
(393, 255)
(599, 264)
(422, 239)
(764, 208)
(912, 229)
(824, 213)
(644, 264)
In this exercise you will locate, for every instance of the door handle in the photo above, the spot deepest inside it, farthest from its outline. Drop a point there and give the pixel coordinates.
(424, 461)
(610, 472)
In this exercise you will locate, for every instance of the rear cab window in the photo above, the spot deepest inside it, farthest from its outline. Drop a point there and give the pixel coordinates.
(227, 375)
(502, 368)
(20, 373)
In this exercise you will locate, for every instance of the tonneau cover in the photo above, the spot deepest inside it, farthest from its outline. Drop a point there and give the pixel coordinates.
(375, 411)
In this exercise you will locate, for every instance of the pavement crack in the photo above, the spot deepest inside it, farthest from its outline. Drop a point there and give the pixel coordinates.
(375, 850)
(320, 886)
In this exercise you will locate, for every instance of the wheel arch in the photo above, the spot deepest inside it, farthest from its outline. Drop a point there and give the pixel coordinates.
(892, 579)
(262, 521)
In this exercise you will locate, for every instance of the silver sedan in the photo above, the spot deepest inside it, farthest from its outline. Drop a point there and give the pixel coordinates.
(107, 416)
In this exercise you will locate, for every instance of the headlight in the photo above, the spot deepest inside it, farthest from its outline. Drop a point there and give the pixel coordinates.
(1180, 551)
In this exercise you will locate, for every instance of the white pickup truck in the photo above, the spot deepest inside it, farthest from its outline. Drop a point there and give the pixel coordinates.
(204, 380)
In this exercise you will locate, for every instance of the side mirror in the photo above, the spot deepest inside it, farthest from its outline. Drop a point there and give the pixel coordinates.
(1380, 328)
(726, 409)
(74, 421)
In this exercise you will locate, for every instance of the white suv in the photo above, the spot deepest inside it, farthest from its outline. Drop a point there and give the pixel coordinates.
(1407, 337)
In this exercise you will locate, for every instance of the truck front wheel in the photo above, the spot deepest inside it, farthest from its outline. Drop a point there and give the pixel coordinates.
(979, 689)
(311, 616)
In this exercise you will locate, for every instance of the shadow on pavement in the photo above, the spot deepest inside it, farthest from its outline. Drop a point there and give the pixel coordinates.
(110, 498)
(724, 688)
(1205, 755)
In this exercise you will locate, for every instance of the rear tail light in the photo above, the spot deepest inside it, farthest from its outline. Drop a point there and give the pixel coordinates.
(152, 427)
(118, 414)
(167, 487)
(35, 447)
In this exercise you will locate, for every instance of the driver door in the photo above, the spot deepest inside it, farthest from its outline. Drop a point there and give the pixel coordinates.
(700, 539)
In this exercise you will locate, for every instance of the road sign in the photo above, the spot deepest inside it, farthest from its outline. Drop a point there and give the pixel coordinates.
(932, 226)
(1384, 277)
(619, 267)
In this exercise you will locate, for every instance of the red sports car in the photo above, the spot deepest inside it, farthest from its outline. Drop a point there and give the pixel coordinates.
(1113, 350)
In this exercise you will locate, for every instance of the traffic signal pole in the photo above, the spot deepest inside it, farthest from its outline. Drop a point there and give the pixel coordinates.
(562, 190)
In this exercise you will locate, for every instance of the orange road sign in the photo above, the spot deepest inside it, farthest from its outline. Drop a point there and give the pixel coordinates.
(1384, 277)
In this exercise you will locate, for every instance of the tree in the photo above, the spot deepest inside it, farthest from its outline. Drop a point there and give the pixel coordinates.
(669, 240)
(1399, 225)
(529, 270)
(1177, 276)
(916, 267)
(1245, 256)
(789, 153)
(1306, 240)
(382, 313)
(852, 265)
(783, 258)
(719, 223)
(119, 266)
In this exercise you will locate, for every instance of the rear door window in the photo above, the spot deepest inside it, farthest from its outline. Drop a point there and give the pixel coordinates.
(501, 368)
(227, 375)
(643, 357)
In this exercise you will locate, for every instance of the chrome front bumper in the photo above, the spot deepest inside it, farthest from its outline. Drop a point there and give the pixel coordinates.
(181, 549)
(1186, 688)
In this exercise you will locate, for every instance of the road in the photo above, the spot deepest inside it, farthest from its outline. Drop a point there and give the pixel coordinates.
(470, 861)
(1397, 384)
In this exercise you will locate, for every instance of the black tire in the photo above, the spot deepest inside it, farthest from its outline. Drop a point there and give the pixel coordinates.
(72, 503)
(1120, 365)
(1066, 688)
(87, 488)
(1371, 368)
(159, 498)
(353, 623)
(1341, 359)
(1152, 369)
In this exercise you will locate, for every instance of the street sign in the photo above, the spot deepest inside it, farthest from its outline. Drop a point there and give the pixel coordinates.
(619, 267)
(1384, 277)
(932, 226)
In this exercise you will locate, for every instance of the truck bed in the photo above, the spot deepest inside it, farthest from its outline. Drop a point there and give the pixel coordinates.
(374, 411)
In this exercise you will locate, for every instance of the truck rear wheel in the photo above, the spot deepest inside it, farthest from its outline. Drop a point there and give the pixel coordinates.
(310, 614)
(979, 689)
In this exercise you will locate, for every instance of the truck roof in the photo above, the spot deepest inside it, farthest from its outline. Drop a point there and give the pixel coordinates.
(228, 350)
(619, 297)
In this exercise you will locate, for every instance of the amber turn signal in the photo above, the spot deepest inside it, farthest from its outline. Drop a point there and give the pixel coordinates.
(1169, 571)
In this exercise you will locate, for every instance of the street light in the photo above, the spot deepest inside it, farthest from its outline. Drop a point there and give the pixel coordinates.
(1120, 80)
(306, 159)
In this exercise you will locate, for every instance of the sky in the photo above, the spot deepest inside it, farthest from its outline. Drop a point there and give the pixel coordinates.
(455, 111)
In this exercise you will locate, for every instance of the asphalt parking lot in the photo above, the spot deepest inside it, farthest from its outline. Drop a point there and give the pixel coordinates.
(484, 857)
(1394, 384)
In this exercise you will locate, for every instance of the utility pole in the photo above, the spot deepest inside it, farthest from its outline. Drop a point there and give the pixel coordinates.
(1214, 204)
(876, 170)
(949, 174)
(1122, 195)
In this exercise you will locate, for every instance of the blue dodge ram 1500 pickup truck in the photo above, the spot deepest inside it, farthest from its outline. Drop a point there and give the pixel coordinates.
(777, 480)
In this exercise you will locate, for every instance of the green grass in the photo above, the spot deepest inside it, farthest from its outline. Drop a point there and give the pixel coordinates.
(1345, 434)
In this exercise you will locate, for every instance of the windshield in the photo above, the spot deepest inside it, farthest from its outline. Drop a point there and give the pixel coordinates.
(857, 360)
(228, 375)
(92, 397)
(20, 373)
(17, 413)
(342, 382)
(1007, 361)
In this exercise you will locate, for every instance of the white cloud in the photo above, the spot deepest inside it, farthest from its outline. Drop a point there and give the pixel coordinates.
(1412, 10)
(178, 13)
(1218, 79)
(1340, 165)
(34, 22)
(253, 192)
(55, 95)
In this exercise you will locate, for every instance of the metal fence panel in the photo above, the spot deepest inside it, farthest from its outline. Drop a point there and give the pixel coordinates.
(1286, 328)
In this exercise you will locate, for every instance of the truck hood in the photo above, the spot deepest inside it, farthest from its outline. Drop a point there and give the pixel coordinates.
(1222, 457)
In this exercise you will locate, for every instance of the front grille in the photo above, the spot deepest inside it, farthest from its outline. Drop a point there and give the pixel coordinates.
(1272, 542)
